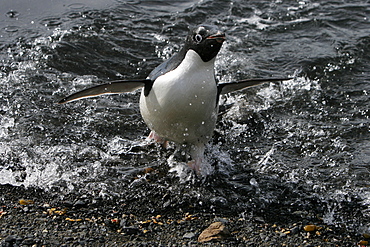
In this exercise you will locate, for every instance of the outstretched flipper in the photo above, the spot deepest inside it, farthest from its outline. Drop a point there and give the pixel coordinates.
(227, 87)
(114, 87)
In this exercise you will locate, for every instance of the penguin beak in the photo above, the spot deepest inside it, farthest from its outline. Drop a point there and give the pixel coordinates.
(219, 37)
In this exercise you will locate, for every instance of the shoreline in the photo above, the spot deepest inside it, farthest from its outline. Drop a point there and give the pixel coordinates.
(45, 220)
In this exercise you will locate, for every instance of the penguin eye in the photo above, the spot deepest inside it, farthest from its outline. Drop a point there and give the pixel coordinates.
(198, 38)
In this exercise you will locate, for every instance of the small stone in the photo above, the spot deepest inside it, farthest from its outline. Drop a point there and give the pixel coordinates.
(25, 202)
(97, 201)
(222, 220)
(28, 241)
(67, 204)
(83, 227)
(366, 235)
(295, 230)
(216, 231)
(363, 243)
(68, 239)
(259, 219)
(219, 201)
(310, 228)
(80, 204)
(10, 239)
(189, 235)
(130, 230)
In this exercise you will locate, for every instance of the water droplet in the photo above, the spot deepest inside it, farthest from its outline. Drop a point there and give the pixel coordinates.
(11, 29)
(12, 14)
(253, 182)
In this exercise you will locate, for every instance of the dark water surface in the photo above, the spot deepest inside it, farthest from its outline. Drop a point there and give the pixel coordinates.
(302, 145)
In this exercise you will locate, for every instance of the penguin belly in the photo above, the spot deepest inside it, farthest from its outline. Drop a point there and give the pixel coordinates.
(182, 104)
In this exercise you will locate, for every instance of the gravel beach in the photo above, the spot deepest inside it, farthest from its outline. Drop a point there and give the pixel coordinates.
(44, 220)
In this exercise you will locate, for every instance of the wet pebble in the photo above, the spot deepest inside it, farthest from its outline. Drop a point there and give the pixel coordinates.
(28, 241)
(310, 228)
(222, 220)
(259, 219)
(25, 202)
(294, 230)
(12, 240)
(80, 204)
(67, 204)
(68, 239)
(130, 230)
(219, 201)
(189, 235)
(97, 201)
(363, 243)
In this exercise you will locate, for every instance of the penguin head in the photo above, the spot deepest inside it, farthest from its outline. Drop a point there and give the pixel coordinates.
(206, 40)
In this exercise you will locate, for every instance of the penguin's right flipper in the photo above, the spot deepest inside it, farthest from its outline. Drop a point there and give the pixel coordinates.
(114, 87)
(228, 87)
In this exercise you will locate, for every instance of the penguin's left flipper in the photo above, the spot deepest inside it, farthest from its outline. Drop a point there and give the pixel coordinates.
(228, 87)
(114, 87)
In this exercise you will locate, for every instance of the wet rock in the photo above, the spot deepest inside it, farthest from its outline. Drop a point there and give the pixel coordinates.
(216, 231)
(294, 230)
(67, 204)
(83, 227)
(363, 243)
(138, 182)
(29, 241)
(25, 202)
(97, 201)
(130, 230)
(259, 219)
(68, 239)
(219, 201)
(11, 240)
(189, 235)
(80, 204)
(82, 243)
(222, 220)
(310, 228)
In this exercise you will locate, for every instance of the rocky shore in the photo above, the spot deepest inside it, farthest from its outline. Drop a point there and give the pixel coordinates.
(33, 217)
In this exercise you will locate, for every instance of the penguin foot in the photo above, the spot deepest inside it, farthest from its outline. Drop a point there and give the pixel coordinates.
(195, 165)
(154, 136)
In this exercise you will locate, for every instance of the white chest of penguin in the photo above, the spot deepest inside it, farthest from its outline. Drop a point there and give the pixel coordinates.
(181, 105)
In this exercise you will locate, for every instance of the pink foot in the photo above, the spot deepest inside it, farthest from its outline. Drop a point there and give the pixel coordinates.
(197, 154)
(195, 165)
(154, 136)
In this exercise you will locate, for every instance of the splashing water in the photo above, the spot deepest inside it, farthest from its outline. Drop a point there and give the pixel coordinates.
(281, 145)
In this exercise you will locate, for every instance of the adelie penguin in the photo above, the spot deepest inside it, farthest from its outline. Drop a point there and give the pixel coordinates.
(179, 100)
